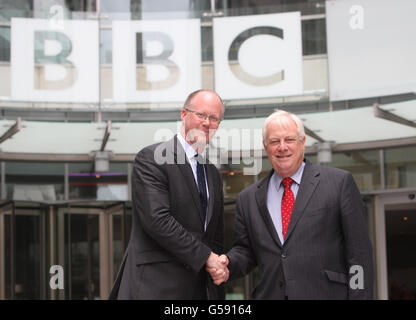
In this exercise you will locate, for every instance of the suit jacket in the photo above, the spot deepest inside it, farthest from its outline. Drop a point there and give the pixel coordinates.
(168, 247)
(327, 235)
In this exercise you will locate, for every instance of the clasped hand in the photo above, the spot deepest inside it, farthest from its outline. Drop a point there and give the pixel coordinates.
(216, 266)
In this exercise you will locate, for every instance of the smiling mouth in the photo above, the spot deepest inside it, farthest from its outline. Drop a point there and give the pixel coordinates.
(283, 156)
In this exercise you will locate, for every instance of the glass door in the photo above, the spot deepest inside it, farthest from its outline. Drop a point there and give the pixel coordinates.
(401, 253)
(120, 227)
(22, 251)
(395, 231)
(79, 252)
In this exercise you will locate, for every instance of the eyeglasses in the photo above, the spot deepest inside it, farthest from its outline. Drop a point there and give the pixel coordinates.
(203, 116)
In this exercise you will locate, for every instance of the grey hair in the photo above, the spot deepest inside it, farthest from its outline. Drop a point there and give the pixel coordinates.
(281, 117)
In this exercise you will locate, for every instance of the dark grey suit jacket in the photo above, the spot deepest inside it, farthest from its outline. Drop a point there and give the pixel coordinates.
(168, 247)
(327, 234)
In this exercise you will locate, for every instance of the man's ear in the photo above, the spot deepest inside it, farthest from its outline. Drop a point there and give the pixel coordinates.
(183, 113)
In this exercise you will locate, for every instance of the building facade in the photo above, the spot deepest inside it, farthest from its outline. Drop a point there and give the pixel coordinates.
(85, 84)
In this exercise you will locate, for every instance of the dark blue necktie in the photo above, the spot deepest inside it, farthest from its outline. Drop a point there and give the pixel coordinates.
(202, 187)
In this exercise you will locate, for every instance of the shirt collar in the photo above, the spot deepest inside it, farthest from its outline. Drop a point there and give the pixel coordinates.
(297, 176)
(189, 151)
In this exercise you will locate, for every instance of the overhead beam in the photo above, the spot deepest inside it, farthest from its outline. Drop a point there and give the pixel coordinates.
(106, 135)
(15, 128)
(387, 115)
(312, 134)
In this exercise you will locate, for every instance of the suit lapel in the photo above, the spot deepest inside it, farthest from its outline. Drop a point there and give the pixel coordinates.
(308, 184)
(261, 198)
(185, 167)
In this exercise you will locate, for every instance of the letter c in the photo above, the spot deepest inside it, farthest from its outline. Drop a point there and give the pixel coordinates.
(238, 71)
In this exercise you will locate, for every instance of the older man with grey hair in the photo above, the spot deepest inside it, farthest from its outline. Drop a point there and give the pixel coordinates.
(303, 225)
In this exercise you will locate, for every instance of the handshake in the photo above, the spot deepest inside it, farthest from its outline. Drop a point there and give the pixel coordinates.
(216, 266)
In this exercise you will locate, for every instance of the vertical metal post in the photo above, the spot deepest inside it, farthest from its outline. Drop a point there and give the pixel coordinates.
(42, 252)
(124, 227)
(2, 258)
(129, 174)
(3, 181)
(89, 255)
(66, 182)
(105, 240)
(69, 253)
(12, 252)
(382, 170)
(52, 245)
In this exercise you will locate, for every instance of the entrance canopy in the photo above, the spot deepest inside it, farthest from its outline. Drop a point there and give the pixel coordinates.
(359, 128)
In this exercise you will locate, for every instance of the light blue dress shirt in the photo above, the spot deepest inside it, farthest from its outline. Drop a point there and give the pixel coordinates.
(190, 154)
(275, 192)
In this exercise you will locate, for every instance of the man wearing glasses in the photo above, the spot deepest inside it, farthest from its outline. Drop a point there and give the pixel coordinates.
(178, 227)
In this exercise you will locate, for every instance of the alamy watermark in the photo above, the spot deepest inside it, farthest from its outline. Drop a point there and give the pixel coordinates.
(57, 278)
(228, 146)
(357, 277)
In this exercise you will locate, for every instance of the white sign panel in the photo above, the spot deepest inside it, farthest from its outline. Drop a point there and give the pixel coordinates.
(371, 48)
(258, 56)
(156, 61)
(54, 62)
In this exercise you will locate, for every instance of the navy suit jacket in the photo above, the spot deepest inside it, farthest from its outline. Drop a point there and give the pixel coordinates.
(168, 247)
(327, 235)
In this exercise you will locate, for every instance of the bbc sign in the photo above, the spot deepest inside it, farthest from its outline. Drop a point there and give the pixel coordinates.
(156, 61)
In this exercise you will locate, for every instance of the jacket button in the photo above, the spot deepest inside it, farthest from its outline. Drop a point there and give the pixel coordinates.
(283, 255)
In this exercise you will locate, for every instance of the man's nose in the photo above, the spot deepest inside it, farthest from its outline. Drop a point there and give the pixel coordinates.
(282, 145)
(206, 121)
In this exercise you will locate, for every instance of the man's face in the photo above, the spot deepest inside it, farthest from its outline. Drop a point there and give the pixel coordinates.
(198, 129)
(284, 149)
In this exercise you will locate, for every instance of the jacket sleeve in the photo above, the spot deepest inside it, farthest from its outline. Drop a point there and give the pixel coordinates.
(151, 203)
(241, 256)
(358, 249)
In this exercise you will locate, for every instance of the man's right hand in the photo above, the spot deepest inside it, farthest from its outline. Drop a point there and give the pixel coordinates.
(216, 266)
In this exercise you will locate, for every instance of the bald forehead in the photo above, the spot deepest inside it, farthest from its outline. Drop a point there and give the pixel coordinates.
(205, 97)
(208, 100)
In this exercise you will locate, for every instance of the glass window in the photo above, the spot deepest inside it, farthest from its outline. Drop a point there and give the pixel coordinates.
(4, 44)
(245, 7)
(364, 166)
(234, 179)
(15, 8)
(35, 181)
(85, 183)
(313, 37)
(400, 165)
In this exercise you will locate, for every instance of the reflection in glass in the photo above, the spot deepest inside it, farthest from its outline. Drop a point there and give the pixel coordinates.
(22, 251)
(35, 182)
(400, 167)
(85, 183)
(83, 263)
(363, 165)
(121, 235)
(401, 257)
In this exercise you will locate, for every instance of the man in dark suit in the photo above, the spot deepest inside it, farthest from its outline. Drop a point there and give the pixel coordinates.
(303, 225)
(177, 226)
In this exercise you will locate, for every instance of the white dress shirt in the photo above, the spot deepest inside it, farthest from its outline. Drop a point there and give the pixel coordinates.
(190, 154)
